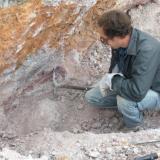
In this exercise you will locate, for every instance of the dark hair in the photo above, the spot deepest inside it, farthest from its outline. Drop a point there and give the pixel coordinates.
(115, 23)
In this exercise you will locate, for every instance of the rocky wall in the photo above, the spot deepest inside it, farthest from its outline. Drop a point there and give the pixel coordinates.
(63, 30)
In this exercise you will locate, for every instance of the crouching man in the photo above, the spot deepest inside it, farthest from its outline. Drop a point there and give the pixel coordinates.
(133, 82)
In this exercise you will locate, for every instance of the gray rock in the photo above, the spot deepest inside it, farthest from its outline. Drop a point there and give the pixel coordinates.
(94, 154)
(96, 125)
(85, 126)
(80, 107)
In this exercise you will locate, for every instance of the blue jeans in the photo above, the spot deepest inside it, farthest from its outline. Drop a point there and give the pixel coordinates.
(132, 111)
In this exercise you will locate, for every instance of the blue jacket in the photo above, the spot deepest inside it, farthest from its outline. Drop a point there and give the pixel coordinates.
(141, 67)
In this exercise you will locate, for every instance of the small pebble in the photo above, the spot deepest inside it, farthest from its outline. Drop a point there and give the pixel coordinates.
(80, 107)
(96, 125)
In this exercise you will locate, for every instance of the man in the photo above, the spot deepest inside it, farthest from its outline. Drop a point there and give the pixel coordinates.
(133, 82)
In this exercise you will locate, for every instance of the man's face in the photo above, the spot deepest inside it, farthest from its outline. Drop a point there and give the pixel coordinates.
(114, 43)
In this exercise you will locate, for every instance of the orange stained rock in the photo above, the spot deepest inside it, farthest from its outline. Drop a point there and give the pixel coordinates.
(85, 35)
(26, 28)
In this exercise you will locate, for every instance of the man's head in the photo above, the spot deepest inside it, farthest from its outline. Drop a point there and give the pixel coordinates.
(115, 28)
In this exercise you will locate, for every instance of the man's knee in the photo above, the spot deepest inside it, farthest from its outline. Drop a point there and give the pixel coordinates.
(95, 98)
(92, 96)
(88, 96)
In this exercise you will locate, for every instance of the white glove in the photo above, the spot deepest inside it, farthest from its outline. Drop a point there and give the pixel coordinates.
(106, 83)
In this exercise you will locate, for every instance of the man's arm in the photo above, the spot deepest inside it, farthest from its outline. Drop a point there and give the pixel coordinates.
(143, 72)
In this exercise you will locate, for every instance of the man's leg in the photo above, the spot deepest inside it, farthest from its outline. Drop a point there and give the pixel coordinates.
(95, 98)
(133, 111)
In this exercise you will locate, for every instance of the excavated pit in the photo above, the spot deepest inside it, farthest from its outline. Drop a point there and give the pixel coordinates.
(36, 103)
(40, 103)
(44, 104)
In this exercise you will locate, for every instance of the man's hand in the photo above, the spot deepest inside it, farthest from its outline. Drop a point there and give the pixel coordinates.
(106, 83)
